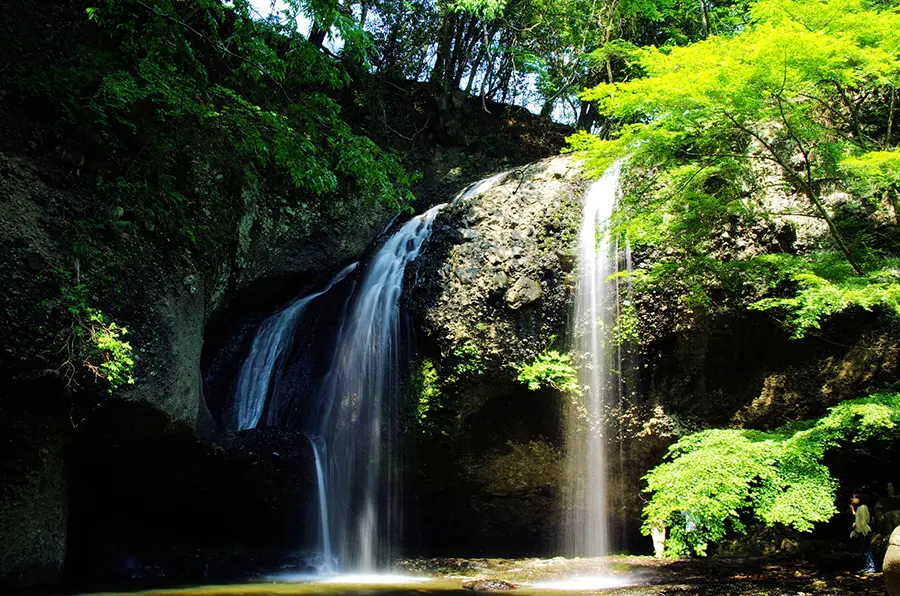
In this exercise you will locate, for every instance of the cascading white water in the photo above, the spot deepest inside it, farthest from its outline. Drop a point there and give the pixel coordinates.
(586, 528)
(260, 372)
(327, 556)
(357, 406)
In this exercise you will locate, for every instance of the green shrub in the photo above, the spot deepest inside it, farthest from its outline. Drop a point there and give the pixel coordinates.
(429, 390)
(719, 474)
(95, 344)
(550, 369)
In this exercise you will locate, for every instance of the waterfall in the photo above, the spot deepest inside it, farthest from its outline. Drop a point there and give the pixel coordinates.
(259, 375)
(327, 555)
(356, 410)
(358, 407)
(586, 528)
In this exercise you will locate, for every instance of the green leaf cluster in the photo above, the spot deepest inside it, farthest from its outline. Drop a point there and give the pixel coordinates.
(469, 358)
(550, 369)
(96, 344)
(429, 390)
(798, 103)
(150, 85)
(817, 297)
(716, 476)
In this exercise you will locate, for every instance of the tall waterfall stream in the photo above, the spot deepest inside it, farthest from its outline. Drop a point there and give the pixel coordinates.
(586, 531)
(353, 425)
(260, 373)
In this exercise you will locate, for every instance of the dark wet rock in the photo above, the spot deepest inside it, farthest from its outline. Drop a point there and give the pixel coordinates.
(35, 262)
(489, 585)
(490, 460)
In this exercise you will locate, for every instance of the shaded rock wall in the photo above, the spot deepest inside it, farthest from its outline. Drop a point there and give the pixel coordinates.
(165, 313)
(494, 289)
(491, 291)
(33, 500)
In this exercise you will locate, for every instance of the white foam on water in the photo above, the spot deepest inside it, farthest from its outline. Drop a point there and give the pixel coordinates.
(586, 583)
(350, 579)
(374, 579)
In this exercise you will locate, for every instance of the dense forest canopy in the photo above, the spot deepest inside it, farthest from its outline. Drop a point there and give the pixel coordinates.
(540, 53)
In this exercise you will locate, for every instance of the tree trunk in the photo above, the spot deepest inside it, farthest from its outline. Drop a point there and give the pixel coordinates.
(444, 50)
(704, 17)
(834, 231)
(890, 124)
(473, 71)
(317, 37)
(547, 108)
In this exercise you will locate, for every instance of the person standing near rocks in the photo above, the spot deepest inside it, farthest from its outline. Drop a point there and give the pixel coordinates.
(862, 531)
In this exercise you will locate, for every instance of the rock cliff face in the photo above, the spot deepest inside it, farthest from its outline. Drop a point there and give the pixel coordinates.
(176, 285)
(493, 291)
(165, 313)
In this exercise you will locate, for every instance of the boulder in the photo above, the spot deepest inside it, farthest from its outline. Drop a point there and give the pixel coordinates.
(490, 292)
(891, 565)
(524, 291)
(488, 585)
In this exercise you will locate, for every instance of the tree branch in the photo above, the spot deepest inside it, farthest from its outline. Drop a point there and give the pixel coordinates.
(890, 125)
(854, 113)
(805, 184)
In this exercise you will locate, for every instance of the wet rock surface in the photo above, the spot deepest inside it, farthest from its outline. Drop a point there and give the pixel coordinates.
(488, 585)
(490, 292)
(645, 576)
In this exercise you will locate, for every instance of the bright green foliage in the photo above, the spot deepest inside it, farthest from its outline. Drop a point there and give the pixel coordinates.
(775, 82)
(874, 173)
(628, 328)
(485, 9)
(880, 167)
(96, 344)
(817, 298)
(719, 474)
(429, 390)
(106, 353)
(469, 358)
(801, 96)
(550, 369)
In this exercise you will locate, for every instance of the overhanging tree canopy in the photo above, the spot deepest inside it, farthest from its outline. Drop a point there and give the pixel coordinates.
(779, 476)
(805, 93)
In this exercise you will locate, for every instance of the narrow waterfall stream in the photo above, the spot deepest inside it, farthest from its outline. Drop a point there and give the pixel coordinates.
(586, 526)
(260, 372)
(357, 407)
